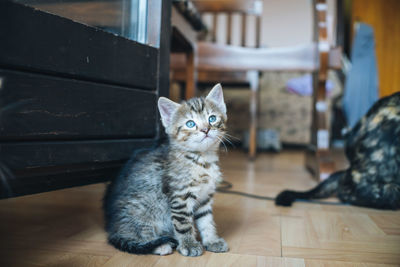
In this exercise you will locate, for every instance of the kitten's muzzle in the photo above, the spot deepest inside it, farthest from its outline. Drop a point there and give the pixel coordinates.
(205, 130)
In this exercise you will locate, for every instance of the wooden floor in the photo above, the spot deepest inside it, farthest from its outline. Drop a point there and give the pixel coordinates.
(65, 228)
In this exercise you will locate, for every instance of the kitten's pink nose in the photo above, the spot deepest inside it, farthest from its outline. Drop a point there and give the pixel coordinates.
(205, 130)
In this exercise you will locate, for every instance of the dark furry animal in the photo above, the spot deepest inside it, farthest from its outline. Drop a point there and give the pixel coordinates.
(373, 150)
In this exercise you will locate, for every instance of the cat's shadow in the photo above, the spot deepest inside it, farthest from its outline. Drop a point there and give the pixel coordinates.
(227, 220)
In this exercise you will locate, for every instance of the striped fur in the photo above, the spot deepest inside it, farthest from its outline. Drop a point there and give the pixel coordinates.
(159, 198)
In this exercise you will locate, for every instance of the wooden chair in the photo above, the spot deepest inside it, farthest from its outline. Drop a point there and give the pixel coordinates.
(236, 64)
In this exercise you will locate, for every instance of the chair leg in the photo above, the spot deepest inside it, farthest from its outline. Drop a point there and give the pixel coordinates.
(318, 157)
(253, 122)
(190, 75)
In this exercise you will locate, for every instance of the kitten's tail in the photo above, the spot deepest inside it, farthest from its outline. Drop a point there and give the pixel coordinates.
(131, 246)
(323, 190)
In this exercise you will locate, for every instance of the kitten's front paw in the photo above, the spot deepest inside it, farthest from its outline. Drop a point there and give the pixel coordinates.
(190, 248)
(218, 245)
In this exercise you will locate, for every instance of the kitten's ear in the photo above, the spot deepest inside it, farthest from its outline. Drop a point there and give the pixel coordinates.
(217, 97)
(167, 109)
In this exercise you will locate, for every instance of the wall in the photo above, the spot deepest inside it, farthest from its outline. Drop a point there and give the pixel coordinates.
(286, 22)
(384, 17)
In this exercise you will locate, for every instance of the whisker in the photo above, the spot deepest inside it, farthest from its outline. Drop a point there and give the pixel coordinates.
(229, 141)
(226, 149)
(231, 136)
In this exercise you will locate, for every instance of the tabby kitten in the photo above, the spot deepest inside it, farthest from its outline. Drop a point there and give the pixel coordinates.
(373, 150)
(155, 203)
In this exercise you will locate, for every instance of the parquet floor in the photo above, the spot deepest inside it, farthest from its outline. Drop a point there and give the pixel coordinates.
(65, 228)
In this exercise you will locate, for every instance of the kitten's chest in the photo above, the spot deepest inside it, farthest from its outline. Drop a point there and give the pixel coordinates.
(204, 179)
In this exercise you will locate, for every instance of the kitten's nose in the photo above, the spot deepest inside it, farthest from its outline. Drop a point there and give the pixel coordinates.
(205, 130)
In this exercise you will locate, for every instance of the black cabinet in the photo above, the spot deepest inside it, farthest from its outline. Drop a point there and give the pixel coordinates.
(75, 100)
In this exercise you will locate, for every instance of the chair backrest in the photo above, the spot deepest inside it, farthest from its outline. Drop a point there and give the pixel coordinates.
(243, 8)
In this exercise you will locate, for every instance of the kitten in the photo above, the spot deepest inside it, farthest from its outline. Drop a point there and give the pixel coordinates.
(373, 150)
(154, 205)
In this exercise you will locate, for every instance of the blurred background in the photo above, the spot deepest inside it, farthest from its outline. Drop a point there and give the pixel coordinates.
(80, 78)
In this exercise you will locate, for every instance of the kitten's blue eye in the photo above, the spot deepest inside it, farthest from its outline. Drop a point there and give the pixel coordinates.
(190, 124)
(212, 119)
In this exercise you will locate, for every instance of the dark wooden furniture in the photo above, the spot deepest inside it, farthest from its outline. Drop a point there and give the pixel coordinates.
(75, 101)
